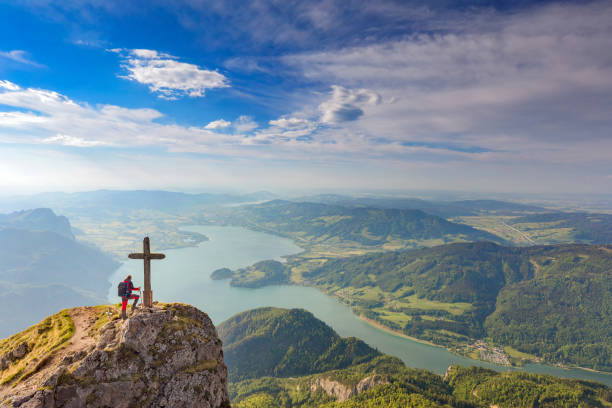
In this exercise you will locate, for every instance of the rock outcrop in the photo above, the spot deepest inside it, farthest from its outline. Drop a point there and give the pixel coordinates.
(165, 356)
(343, 392)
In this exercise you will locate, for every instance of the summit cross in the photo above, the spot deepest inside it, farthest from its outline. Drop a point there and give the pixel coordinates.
(146, 255)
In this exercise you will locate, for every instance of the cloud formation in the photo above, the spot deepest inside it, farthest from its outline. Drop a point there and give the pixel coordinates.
(166, 76)
(346, 105)
(218, 124)
(536, 84)
(290, 123)
(245, 124)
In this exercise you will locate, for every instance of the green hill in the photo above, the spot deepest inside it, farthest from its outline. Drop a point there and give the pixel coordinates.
(550, 301)
(283, 343)
(332, 227)
(372, 382)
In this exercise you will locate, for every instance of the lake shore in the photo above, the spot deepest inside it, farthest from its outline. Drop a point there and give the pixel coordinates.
(384, 328)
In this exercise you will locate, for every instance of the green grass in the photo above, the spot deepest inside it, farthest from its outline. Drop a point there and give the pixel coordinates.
(497, 225)
(104, 314)
(414, 301)
(395, 317)
(43, 340)
(514, 353)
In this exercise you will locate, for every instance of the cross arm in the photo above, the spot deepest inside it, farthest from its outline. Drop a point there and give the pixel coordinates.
(136, 256)
(157, 256)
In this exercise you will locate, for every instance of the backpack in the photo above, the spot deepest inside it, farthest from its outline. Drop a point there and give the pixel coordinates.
(122, 289)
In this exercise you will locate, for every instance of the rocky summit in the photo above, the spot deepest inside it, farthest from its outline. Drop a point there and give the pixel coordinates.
(165, 356)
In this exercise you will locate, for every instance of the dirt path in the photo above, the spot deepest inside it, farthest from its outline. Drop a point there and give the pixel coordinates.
(83, 319)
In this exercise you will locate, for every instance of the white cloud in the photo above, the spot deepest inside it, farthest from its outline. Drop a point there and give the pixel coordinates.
(218, 124)
(245, 124)
(346, 104)
(19, 56)
(284, 130)
(291, 123)
(8, 85)
(166, 76)
(67, 140)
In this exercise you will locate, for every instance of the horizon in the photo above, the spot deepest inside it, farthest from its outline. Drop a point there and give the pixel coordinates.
(476, 97)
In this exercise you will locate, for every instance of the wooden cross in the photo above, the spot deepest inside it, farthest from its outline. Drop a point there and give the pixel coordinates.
(147, 295)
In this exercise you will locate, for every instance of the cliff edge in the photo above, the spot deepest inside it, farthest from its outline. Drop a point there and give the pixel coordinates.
(166, 356)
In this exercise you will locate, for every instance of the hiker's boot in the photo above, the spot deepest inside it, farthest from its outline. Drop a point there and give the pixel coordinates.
(123, 314)
(134, 305)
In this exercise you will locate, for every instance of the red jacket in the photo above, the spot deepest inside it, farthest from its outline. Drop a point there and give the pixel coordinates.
(129, 287)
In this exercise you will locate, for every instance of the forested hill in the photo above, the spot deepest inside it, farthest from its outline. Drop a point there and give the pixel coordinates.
(281, 342)
(290, 365)
(549, 301)
(314, 223)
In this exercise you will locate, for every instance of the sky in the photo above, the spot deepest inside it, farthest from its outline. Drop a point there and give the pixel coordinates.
(320, 95)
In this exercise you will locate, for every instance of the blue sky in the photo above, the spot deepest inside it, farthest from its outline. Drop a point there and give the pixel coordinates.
(192, 95)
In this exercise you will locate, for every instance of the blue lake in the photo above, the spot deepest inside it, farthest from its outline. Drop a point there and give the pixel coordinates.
(184, 276)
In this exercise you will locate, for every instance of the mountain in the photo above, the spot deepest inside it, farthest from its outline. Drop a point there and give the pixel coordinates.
(41, 257)
(380, 381)
(443, 209)
(39, 219)
(165, 356)
(578, 227)
(333, 225)
(171, 356)
(549, 301)
(43, 268)
(280, 342)
(109, 201)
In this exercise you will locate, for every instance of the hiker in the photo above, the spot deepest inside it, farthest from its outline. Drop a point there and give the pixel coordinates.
(129, 287)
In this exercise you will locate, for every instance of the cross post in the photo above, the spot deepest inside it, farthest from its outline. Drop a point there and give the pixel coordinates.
(146, 255)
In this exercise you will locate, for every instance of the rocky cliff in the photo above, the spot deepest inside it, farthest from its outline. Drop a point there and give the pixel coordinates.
(166, 356)
(343, 392)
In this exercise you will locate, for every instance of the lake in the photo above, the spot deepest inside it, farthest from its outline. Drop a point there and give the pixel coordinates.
(184, 276)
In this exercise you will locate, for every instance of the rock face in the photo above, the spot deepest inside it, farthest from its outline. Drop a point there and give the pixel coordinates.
(166, 356)
(343, 392)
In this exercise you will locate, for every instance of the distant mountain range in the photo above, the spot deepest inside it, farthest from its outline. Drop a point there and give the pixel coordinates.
(40, 219)
(43, 268)
(440, 208)
(128, 200)
(326, 224)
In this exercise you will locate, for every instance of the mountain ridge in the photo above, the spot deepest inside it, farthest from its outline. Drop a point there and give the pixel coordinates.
(168, 355)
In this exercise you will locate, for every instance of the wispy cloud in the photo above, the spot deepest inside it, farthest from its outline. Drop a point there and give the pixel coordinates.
(167, 76)
(67, 140)
(19, 56)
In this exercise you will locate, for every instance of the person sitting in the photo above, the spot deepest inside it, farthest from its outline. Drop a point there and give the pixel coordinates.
(129, 287)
